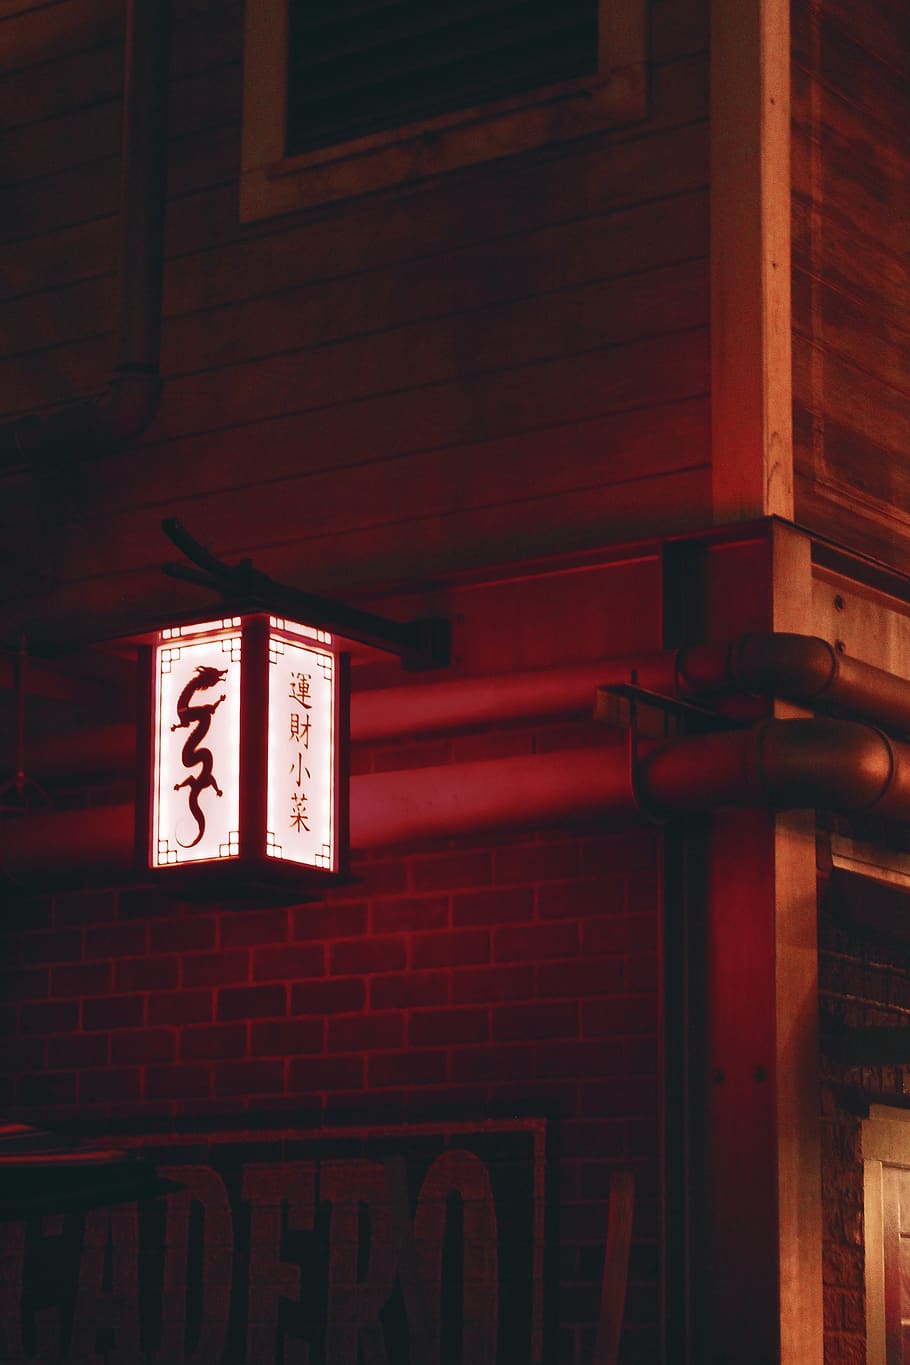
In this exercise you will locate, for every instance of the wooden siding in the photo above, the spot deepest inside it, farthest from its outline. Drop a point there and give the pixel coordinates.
(506, 361)
(851, 276)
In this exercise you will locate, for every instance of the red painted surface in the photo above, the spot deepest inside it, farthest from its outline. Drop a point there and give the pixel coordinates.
(463, 981)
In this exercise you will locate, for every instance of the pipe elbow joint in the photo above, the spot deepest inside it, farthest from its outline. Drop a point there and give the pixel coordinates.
(59, 438)
(87, 429)
(128, 405)
(799, 666)
(845, 766)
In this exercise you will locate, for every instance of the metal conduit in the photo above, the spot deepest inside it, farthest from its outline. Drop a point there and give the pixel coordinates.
(842, 766)
(800, 668)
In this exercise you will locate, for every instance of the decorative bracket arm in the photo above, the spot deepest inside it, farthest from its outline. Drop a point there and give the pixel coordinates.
(420, 644)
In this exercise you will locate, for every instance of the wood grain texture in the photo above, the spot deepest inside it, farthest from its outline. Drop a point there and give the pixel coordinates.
(239, 381)
(201, 41)
(31, 35)
(503, 361)
(640, 447)
(856, 263)
(272, 285)
(381, 557)
(862, 336)
(752, 455)
(851, 216)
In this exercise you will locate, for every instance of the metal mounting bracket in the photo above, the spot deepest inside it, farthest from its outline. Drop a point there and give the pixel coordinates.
(420, 644)
(654, 716)
(651, 717)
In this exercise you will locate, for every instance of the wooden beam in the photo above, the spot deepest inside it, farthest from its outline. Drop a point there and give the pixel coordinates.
(758, 1290)
(797, 1120)
(750, 259)
(797, 1123)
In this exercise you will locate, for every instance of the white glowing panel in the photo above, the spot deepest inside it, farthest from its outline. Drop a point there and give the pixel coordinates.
(196, 771)
(301, 722)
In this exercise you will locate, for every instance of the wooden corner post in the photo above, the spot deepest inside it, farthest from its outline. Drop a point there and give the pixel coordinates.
(796, 1019)
(751, 382)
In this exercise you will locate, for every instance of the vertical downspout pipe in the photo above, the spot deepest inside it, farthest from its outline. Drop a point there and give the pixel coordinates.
(132, 399)
(93, 427)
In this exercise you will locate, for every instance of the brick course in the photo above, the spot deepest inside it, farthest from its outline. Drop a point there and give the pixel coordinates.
(210, 1042)
(215, 969)
(195, 932)
(498, 977)
(251, 1002)
(143, 1045)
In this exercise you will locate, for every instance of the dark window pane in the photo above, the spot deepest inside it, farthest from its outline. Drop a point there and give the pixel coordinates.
(358, 66)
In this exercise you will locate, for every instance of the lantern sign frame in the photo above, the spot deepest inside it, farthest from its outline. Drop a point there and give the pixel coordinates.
(244, 727)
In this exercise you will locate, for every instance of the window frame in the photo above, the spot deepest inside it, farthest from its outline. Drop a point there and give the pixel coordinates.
(885, 1142)
(272, 183)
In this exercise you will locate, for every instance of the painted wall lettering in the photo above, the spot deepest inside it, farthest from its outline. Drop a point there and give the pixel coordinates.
(198, 1335)
(12, 1253)
(274, 1193)
(460, 1174)
(422, 1244)
(106, 1318)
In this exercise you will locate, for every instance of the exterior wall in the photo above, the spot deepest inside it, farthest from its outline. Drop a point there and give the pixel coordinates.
(500, 363)
(851, 288)
(483, 979)
(461, 983)
(863, 978)
(503, 361)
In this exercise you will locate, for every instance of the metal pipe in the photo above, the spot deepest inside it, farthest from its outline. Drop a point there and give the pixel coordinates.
(842, 766)
(800, 668)
(390, 713)
(837, 765)
(143, 183)
(97, 426)
(386, 714)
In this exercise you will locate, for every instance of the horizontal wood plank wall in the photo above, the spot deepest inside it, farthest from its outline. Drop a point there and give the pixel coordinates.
(505, 361)
(851, 277)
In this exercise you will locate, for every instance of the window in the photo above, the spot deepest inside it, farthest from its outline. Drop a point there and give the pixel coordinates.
(886, 1156)
(345, 96)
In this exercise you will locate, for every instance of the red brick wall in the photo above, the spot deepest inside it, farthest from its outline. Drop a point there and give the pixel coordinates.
(494, 977)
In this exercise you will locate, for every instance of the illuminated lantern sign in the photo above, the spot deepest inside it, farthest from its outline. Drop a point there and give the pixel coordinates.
(247, 774)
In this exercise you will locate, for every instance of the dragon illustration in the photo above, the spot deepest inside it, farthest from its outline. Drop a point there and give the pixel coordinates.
(201, 718)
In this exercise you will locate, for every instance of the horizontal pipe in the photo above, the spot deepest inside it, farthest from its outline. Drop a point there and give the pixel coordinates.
(800, 668)
(386, 808)
(842, 766)
(390, 713)
(837, 765)
(491, 795)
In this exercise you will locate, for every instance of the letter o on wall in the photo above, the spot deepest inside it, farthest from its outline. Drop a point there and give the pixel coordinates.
(462, 1173)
